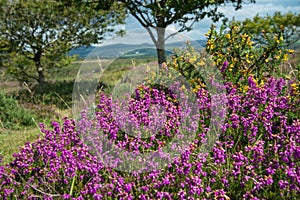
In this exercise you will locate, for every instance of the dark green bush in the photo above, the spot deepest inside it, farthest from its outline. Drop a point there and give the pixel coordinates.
(12, 115)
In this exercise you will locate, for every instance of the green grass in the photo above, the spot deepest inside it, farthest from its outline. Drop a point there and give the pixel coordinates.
(10, 141)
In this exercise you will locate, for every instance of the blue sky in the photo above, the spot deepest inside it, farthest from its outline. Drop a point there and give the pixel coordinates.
(136, 34)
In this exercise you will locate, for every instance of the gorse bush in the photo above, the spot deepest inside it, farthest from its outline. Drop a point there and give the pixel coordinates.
(238, 56)
(257, 155)
(12, 115)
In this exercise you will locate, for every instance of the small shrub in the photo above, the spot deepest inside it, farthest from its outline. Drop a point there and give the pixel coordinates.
(12, 115)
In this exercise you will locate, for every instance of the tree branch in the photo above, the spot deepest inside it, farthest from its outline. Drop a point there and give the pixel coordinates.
(152, 36)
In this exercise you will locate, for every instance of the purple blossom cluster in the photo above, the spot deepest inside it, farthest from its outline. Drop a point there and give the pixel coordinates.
(148, 110)
(257, 154)
(146, 131)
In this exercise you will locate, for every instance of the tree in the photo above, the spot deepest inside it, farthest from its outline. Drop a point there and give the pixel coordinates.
(4, 48)
(288, 23)
(41, 32)
(156, 16)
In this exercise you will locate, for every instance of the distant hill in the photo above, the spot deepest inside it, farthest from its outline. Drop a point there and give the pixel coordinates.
(125, 50)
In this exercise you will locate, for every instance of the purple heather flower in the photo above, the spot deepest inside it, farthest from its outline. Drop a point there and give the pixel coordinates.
(251, 82)
(283, 184)
(181, 194)
(66, 196)
(224, 66)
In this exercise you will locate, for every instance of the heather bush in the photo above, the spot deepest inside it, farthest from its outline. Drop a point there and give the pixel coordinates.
(256, 157)
(264, 149)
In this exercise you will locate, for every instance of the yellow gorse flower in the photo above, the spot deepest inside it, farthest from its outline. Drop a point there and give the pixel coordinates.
(210, 45)
(291, 51)
(294, 85)
(201, 63)
(276, 39)
(230, 68)
(244, 89)
(281, 38)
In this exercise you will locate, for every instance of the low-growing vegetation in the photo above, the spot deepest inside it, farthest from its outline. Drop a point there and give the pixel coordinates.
(242, 144)
(12, 115)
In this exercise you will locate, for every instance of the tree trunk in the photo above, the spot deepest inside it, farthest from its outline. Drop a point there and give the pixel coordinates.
(41, 76)
(39, 68)
(160, 46)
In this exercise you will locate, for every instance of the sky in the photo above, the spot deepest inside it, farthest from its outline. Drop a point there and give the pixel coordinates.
(136, 34)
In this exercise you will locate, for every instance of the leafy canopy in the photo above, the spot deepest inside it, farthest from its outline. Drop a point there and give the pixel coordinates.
(41, 32)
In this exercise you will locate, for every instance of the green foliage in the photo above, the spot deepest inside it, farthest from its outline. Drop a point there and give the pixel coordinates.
(163, 13)
(286, 24)
(12, 115)
(42, 32)
(4, 49)
(24, 70)
(238, 56)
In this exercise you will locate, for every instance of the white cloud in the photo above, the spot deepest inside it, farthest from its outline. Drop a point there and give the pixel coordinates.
(250, 10)
(279, 2)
